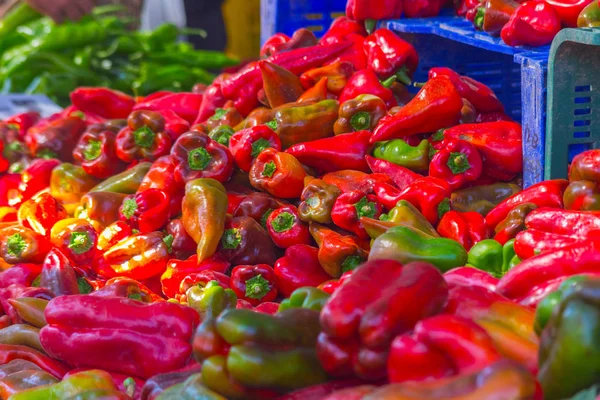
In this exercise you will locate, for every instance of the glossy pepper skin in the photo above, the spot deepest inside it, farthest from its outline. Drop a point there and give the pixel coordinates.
(466, 228)
(356, 341)
(57, 139)
(247, 144)
(279, 174)
(146, 211)
(41, 213)
(436, 106)
(360, 113)
(224, 118)
(337, 75)
(401, 153)
(492, 15)
(311, 298)
(493, 257)
(345, 151)
(178, 270)
(404, 213)
(68, 183)
(317, 200)
(429, 195)
(198, 156)
(96, 151)
(543, 194)
(582, 195)
(185, 105)
(254, 283)
(127, 182)
(104, 102)
(499, 143)
(350, 207)
(34, 178)
(280, 85)
(337, 253)
(286, 229)
(205, 197)
(77, 238)
(58, 275)
(258, 206)
(366, 81)
(22, 245)
(514, 223)
(245, 241)
(534, 23)
(388, 54)
(400, 176)
(405, 244)
(100, 207)
(161, 176)
(458, 162)
(566, 339)
(585, 166)
(299, 267)
(362, 10)
(155, 336)
(143, 138)
(482, 199)
(590, 16)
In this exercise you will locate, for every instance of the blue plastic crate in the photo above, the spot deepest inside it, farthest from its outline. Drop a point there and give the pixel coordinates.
(517, 75)
(286, 16)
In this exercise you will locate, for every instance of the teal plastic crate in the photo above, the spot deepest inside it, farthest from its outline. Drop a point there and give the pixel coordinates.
(573, 116)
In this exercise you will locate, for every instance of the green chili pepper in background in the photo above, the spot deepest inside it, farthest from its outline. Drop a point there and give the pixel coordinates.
(17, 16)
(305, 297)
(399, 152)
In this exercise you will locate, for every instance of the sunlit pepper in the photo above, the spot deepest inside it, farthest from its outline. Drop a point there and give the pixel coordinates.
(337, 253)
(140, 256)
(77, 238)
(350, 207)
(41, 213)
(96, 151)
(286, 229)
(279, 174)
(146, 211)
(254, 283)
(247, 144)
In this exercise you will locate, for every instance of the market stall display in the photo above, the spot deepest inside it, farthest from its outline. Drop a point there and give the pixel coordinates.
(304, 227)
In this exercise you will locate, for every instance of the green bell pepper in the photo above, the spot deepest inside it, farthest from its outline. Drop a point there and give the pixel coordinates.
(489, 255)
(406, 244)
(127, 182)
(305, 297)
(569, 357)
(399, 152)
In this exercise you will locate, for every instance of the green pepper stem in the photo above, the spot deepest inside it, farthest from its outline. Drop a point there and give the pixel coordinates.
(80, 242)
(269, 169)
(365, 208)
(129, 208)
(257, 287)
(258, 146)
(351, 262)
(458, 163)
(15, 245)
(283, 222)
(231, 239)
(199, 159)
(144, 137)
(92, 150)
(361, 121)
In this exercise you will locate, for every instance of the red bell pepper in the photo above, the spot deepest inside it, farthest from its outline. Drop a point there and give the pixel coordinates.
(23, 122)
(198, 156)
(499, 143)
(543, 194)
(121, 335)
(345, 151)
(532, 242)
(579, 224)
(402, 177)
(366, 82)
(144, 137)
(422, 8)
(357, 327)
(279, 174)
(202, 278)
(146, 211)
(161, 176)
(458, 163)
(429, 195)
(350, 207)
(77, 238)
(365, 10)
(338, 253)
(342, 27)
(286, 229)
(34, 179)
(113, 234)
(534, 23)
(182, 245)
(479, 95)
(469, 276)
(437, 105)
(22, 274)
(57, 139)
(247, 144)
(254, 283)
(441, 346)
(177, 270)
(273, 44)
(107, 103)
(41, 213)
(299, 267)
(96, 151)
(467, 228)
(334, 284)
(185, 105)
(355, 55)
(58, 275)
(388, 54)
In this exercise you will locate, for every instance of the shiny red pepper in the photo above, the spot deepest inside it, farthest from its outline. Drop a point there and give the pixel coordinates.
(430, 195)
(247, 144)
(388, 55)
(97, 153)
(366, 82)
(55, 140)
(342, 27)
(279, 174)
(77, 238)
(177, 270)
(23, 122)
(162, 176)
(363, 10)
(185, 105)
(41, 213)
(254, 283)
(457, 163)
(286, 229)
(402, 177)
(467, 228)
(273, 44)
(299, 267)
(146, 211)
(534, 23)
(144, 138)
(568, 10)
(350, 207)
(107, 103)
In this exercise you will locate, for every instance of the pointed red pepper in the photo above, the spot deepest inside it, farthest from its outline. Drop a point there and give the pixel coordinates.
(430, 195)
(161, 175)
(438, 105)
(467, 228)
(366, 82)
(534, 23)
(366, 10)
(346, 151)
(350, 207)
(186, 105)
(254, 283)
(457, 163)
(107, 103)
(479, 95)
(402, 177)
(299, 267)
(280, 85)
(286, 229)
(388, 54)
(247, 144)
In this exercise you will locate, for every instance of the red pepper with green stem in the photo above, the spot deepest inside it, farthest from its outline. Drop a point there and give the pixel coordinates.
(466, 228)
(177, 270)
(97, 154)
(457, 163)
(337, 253)
(147, 211)
(41, 213)
(202, 279)
(125, 336)
(286, 229)
(389, 55)
(247, 144)
(183, 245)
(543, 194)
(345, 151)
(299, 267)
(534, 23)
(77, 238)
(479, 95)
(198, 156)
(499, 143)
(279, 174)
(35, 178)
(245, 241)
(161, 176)
(350, 207)
(366, 82)
(361, 113)
(254, 283)
(438, 105)
(364, 10)
(144, 138)
(258, 206)
(56, 140)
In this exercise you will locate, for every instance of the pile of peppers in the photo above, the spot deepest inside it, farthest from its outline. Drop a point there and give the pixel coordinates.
(38, 56)
(304, 228)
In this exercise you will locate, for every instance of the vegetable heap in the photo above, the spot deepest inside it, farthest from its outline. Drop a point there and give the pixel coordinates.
(39, 56)
(305, 228)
